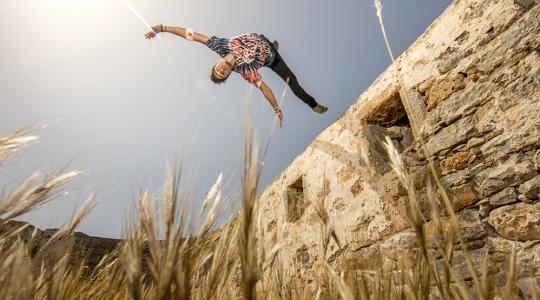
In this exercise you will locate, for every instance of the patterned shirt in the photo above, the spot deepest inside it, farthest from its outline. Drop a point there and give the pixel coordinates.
(251, 52)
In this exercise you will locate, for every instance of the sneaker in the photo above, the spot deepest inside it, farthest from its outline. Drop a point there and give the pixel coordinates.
(276, 44)
(320, 109)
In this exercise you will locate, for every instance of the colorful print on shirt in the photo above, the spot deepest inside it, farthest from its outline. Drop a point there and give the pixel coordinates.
(251, 52)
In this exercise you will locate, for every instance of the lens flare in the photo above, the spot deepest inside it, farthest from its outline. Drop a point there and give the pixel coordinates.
(138, 15)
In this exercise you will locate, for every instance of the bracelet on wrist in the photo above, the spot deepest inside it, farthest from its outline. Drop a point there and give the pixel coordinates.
(277, 110)
(161, 27)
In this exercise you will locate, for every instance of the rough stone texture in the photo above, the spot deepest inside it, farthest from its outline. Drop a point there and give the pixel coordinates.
(525, 3)
(386, 109)
(529, 253)
(416, 108)
(453, 135)
(537, 160)
(505, 197)
(464, 196)
(470, 223)
(460, 160)
(510, 172)
(531, 188)
(471, 81)
(443, 89)
(520, 221)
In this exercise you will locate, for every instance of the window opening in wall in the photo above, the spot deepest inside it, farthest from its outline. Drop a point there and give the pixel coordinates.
(389, 115)
(296, 203)
(386, 110)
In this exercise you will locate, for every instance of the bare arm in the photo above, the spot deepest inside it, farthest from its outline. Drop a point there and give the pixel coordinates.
(269, 95)
(179, 31)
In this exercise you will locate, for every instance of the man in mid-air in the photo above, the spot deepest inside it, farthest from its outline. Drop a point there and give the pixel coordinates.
(246, 54)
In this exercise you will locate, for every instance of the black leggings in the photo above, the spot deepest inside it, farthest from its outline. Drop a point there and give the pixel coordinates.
(280, 67)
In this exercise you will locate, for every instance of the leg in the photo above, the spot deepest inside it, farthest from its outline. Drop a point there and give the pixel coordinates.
(280, 67)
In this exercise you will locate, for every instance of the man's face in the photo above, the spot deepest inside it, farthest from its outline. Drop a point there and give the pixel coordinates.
(222, 69)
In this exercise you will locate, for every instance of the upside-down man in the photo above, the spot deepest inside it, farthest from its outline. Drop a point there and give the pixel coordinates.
(246, 54)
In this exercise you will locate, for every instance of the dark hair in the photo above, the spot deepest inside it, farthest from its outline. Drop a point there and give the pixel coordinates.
(215, 79)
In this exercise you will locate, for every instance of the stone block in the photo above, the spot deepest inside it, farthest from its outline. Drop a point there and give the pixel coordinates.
(471, 227)
(452, 57)
(453, 135)
(530, 287)
(475, 142)
(444, 88)
(511, 172)
(528, 255)
(517, 222)
(505, 197)
(461, 104)
(413, 103)
(456, 179)
(459, 264)
(522, 198)
(459, 161)
(395, 132)
(473, 170)
(526, 4)
(505, 45)
(464, 196)
(531, 188)
(408, 138)
(372, 140)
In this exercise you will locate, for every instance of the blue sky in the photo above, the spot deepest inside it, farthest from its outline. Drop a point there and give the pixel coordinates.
(120, 107)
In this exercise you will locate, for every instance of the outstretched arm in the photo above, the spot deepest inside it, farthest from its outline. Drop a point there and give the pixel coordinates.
(186, 33)
(267, 92)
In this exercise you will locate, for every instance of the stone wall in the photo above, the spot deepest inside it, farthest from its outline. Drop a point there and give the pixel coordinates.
(472, 80)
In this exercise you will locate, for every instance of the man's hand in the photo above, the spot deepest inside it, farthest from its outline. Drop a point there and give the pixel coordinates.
(152, 34)
(267, 92)
(280, 117)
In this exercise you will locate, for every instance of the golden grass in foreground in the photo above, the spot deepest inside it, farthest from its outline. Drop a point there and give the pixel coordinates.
(177, 263)
(163, 258)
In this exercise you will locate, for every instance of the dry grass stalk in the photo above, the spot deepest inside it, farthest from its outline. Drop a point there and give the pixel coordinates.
(344, 291)
(15, 142)
(378, 8)
(169, 261)
(211, 193)
(26, 198)
(247, 242)
(75, 221)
